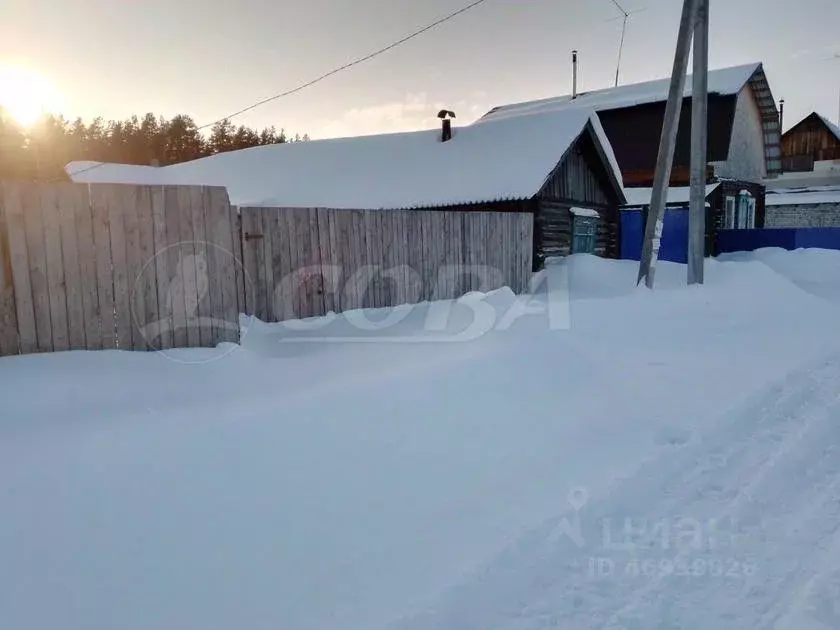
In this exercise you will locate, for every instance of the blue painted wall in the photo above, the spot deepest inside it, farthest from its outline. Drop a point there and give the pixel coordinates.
(674, 246)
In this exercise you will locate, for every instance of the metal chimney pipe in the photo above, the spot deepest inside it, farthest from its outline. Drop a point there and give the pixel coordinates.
(782, 116)
(574, 74)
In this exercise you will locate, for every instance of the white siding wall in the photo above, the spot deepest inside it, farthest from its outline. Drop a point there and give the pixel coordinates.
(746, 149)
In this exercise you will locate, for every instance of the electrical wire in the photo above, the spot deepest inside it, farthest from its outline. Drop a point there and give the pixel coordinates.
(326, 75)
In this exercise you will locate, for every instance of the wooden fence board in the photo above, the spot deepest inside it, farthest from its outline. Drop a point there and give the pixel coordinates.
(57, 298)
(202, 317)
(13, 199)
(160, 331)
(327, 260)
(145, 286)
(239, 265)
(254, 271)
(9, 335)
(220, 209)
(74, 289)
(187, 266)
(104, 274)
(269, 229)
(212, 307)
(38, 275)
(175, 277)
(120, 198)
(315, 281)
(257, 246)
(132, 200)
(88, 276)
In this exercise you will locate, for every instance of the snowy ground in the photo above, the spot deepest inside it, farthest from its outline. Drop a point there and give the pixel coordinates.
(669, 460)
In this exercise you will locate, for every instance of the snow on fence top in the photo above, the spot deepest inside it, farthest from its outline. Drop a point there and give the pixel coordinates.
(725, 81)
(487, 161)
(682, 194)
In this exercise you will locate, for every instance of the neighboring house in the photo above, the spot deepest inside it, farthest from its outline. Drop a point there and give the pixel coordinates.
(818, 206)
(744, 133)
(544, 164)
(813, 139)
(730, 205)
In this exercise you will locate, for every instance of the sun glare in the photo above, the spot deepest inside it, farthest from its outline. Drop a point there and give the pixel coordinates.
(25, 95)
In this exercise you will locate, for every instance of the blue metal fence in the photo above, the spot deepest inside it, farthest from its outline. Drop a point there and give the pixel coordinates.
(674, 245)
(786, 238)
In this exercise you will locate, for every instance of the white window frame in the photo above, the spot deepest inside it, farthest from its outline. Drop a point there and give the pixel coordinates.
(746, 210)
(729, 215)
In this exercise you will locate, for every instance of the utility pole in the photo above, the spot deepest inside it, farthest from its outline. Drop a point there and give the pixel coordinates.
(667, 146)
(699, 143)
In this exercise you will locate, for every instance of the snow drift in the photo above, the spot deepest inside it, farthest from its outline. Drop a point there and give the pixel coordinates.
(318, 485)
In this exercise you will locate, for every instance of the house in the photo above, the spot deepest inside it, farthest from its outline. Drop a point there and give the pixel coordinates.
(813, 139)
(544, 164)
(730, 205)
(744, 132)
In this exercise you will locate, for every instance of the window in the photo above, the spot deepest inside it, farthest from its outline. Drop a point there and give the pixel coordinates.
(746, 210)
(729, 219)
(584, 233)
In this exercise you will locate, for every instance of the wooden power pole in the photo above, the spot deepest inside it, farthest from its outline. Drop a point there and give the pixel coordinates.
(699, 144)
(667, 146)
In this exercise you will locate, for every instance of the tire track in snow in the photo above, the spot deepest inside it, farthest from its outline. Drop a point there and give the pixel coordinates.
(740, 470)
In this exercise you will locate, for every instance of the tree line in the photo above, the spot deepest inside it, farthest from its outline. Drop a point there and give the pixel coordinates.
(41, 152)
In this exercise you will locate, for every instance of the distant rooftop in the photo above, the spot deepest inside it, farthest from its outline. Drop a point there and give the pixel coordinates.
(724, 81)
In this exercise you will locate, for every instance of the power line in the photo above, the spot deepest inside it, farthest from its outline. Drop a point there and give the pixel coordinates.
(332, 72)
(346, 66)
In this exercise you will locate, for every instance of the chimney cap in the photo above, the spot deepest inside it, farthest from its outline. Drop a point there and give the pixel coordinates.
(442, 114)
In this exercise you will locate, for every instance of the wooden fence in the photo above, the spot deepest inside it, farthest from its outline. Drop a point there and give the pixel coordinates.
(90, 267)
(306, 262)
(115, 266)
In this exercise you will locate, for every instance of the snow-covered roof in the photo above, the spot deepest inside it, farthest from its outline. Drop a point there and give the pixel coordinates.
(584, 212)
(831, 126)
(802, 198)
(725, 81)
(682, 194)
(508, 159)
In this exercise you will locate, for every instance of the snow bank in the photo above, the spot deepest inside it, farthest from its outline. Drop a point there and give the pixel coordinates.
(409, 485)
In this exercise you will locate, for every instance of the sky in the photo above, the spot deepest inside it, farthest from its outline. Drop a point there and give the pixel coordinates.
(208, 58)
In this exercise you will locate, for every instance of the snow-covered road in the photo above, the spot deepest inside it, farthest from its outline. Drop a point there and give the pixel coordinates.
(670, 460)
(735, 526)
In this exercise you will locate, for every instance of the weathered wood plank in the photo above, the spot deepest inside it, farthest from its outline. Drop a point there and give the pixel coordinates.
(293, 272)
(146, 284)
(212, 308)
(314, 282)
(414, 256)
(175, 276)
(337, 277)
(134, 198)
(50, 198)
(238, 263)
(256, 245)
(38, 274)
(160, 331)
(82, 214)
(350, 299)
(73, 196)
(188, 267)
(204, 275)
(268, 221)
(121, 203)
(9, 336)
(326, 260)
(225, 268)
(13, 200)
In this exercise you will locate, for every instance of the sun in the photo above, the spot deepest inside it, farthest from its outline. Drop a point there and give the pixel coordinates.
(25, 95)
